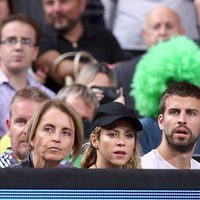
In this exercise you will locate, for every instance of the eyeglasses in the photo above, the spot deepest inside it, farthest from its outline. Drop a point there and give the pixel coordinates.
(11, 41)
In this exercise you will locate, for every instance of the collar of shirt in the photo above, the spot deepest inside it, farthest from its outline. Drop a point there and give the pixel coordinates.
(4, 79)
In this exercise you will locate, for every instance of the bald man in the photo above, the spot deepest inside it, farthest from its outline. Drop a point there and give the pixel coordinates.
(130, 16)
(161, 23)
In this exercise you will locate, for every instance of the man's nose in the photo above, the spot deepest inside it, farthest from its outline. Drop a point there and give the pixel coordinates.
(25, 128)
(57, 6)
(163, 30)
(18, 44)
(182, 118)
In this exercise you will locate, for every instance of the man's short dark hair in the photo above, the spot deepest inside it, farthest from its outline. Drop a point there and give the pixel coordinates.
(24, 19)
(182, 89)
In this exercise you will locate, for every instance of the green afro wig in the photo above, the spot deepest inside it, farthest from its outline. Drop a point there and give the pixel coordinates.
(169, 61)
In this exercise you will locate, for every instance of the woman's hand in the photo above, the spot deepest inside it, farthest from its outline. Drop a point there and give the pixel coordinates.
(99, 93)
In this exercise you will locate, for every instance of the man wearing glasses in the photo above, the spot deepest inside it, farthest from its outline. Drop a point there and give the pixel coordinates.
(19, 37)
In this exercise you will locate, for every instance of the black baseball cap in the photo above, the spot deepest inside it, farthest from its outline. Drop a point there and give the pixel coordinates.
(108, 113)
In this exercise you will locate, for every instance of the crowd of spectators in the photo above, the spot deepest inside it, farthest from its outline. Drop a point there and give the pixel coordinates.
(69, 74)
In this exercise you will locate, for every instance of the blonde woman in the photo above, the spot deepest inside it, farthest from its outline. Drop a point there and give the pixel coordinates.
(103, 82)
(114, 138)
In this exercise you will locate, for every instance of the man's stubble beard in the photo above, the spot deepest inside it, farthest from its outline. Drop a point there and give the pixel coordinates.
(69, 27)
(182, 148)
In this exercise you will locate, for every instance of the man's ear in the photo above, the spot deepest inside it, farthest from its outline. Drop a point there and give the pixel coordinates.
(182, 31)
(160, 121)
(35, 54)
(83, 4)
(144, 35)
(8, 126)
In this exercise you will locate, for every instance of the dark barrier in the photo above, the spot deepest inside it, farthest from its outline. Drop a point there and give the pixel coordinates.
(99, 184)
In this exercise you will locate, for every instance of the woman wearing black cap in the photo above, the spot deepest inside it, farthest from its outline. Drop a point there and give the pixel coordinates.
(114, 138)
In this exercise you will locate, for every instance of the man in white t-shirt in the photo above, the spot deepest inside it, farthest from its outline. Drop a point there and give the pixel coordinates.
(179, 120)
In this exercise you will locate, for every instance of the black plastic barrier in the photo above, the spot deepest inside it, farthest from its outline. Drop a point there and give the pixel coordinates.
(99, 184)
